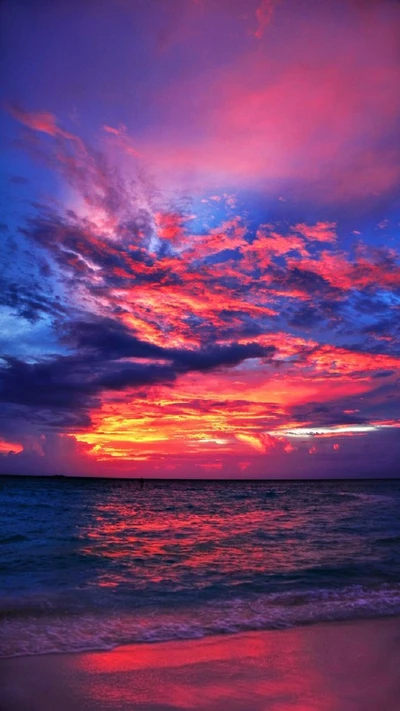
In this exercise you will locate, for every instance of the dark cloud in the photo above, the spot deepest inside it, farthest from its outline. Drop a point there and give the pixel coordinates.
(383, 374)
(220, 356)
(71, 383)
(110, 339)
(306, 317)
(305, 281)
(331, 415)
(30, 304)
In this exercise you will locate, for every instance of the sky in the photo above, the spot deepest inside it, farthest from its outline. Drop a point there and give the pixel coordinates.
(200, 263)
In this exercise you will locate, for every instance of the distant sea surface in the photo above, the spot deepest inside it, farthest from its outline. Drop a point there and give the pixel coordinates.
(91, 564)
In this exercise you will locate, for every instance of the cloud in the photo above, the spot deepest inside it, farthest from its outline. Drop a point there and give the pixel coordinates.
(42, 121)
(263, 442)
(190, 327)
(264, 15)
(316, 120)
(7, 448)
(108, 358)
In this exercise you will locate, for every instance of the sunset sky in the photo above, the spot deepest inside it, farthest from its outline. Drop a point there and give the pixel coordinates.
(201, 238)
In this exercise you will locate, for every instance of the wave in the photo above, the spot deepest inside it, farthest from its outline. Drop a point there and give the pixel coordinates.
(24, 633)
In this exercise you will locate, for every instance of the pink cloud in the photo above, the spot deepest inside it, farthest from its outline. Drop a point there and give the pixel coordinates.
(43, 122)
(122, 140)
(264, 15)
(321, 232)
(317, 106)
(7, 447)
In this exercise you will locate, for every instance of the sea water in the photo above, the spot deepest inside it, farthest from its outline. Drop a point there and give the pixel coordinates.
(95, 563)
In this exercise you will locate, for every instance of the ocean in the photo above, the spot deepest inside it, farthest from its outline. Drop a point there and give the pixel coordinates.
(89, 564)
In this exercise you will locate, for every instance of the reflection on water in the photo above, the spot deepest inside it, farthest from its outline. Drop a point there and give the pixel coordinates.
(326, 669)
(176, 559)
(343, 667)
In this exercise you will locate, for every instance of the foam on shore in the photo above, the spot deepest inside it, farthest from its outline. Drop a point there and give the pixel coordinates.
(348, 666)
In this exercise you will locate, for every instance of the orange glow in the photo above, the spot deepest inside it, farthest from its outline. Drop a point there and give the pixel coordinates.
(243, 411)
(10, 447)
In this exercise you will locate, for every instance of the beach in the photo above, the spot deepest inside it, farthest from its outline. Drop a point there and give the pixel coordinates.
(200, 596)
(345, 666)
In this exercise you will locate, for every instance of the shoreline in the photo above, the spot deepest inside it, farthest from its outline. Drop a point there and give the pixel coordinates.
(330, 666)
(203, 638)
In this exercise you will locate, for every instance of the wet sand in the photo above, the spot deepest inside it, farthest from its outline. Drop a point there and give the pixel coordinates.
(351, 666)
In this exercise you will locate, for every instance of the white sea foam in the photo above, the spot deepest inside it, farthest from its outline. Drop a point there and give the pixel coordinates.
(27, 634)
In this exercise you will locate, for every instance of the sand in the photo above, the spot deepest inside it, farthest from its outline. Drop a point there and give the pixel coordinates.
(352, 666)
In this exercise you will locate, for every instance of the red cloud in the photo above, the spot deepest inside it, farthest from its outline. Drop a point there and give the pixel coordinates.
(378, 269)
(7, 447)
(320, 232)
